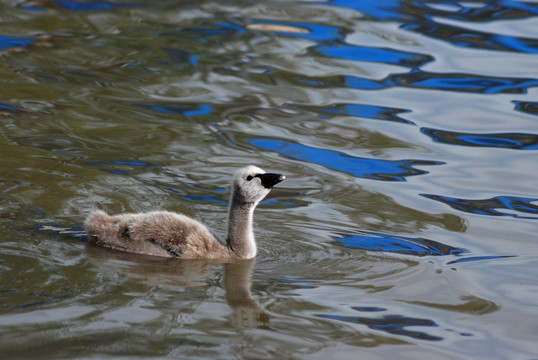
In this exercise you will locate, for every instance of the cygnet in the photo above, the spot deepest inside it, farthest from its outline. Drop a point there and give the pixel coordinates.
(169, 234)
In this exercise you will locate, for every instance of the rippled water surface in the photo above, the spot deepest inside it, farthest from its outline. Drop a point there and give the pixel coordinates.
(407, 226)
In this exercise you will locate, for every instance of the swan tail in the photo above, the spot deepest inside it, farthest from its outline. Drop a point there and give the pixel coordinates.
(97, 224)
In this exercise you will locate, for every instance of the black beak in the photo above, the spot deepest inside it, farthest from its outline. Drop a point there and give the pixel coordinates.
(269, 180)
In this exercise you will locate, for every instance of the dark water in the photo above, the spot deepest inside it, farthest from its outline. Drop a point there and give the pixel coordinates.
(407, 226)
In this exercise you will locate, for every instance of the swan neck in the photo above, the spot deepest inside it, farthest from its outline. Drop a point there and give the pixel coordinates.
(240, 236)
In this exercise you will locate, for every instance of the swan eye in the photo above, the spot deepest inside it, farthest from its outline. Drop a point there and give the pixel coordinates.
(250, 177)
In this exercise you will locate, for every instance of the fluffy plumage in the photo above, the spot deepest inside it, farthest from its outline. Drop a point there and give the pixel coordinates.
(164, 233)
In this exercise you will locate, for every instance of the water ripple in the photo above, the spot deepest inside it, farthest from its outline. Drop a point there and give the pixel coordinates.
(396, 244)
(518, 141)
(9, 110)
(93, 5)
(372, 54)
(475, 39)
(119, 167)
(416, 79)
(332, 44)
(518, 207)
(374, 169)
(392, 324)
(528, 107)
(419, 12)
(202, 34)
(356, 110)
(479, 258)
(7, 42)
(419, 17)
(186, 110)
(462, 82)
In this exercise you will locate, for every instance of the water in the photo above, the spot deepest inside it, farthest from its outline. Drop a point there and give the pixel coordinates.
(406, 227)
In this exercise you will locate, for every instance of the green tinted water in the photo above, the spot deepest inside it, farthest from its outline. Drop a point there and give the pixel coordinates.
(137, 108)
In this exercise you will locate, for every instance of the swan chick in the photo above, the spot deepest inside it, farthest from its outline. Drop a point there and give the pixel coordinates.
(169, 234)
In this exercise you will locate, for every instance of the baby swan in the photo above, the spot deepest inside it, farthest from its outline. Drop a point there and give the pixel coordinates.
(163, 233)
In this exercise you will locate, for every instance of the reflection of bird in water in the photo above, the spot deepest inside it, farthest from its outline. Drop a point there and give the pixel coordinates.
(247, 312)
(168, 234)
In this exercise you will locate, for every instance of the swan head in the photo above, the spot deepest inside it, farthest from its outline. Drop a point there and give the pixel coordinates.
(251, 184)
